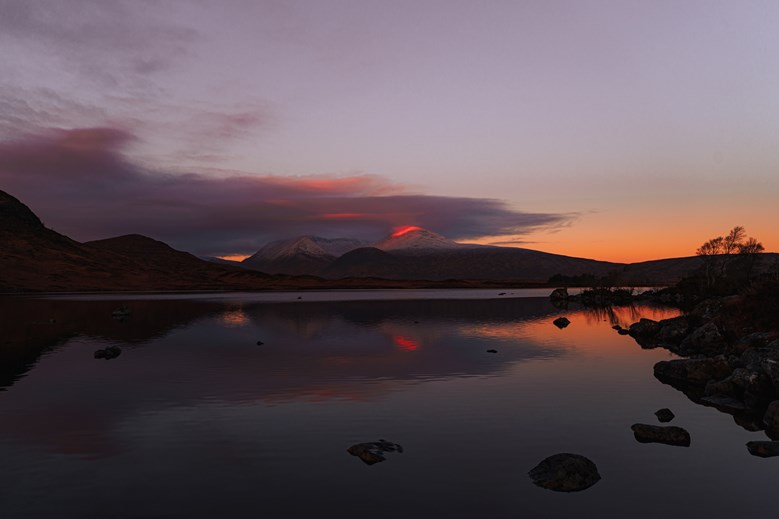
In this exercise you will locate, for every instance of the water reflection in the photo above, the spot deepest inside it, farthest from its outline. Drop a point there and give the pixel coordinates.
(195, 419)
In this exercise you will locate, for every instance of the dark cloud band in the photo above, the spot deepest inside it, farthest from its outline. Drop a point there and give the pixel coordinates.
(82, 184)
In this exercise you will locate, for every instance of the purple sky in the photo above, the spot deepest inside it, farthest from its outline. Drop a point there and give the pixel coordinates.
(583, 127)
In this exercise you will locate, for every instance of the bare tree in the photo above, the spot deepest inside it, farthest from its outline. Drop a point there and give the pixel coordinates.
(720, 251)
(709, 252)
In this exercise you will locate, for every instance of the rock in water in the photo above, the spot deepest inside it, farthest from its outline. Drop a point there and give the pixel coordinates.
(561, 322)
(373, 452)
(668, 435)
(565, 472)
(763, 449)
(664, 415)
(559, 294)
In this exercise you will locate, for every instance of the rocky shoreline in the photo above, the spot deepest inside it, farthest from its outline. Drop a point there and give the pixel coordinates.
(727, 362)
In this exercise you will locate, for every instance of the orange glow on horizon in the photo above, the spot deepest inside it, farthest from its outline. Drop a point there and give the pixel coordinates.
(405, 343)
(400, 231)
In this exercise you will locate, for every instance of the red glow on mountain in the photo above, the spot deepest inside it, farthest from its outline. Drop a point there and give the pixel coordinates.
(405, 343)
(400, 231)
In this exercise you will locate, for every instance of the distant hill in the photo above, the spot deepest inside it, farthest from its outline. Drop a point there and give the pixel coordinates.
(34, 258)
(416, 253)
(300, 256)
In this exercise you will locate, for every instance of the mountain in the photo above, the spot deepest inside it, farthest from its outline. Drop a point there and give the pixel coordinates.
(415, 239)
(420, 254)
(35, 258)
(300, 256)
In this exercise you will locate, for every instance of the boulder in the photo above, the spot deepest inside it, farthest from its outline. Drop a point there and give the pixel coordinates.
(565, 472)
(706, 339)
(561, 322)
(644, 328)
(664, 415)
(673, 330)
(763, 449)
(559, 294)
(668, 435)
(693, 371)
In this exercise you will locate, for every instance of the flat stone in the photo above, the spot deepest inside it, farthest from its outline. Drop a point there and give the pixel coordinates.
(565, 472)
(763, 449)
(668, 435)
(373, 452)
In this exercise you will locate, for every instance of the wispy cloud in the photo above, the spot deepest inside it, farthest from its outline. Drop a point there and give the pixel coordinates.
(83, 183)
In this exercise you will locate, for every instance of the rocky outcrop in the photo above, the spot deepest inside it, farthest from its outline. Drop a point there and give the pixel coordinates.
(668, 435)
(728, 366)
(565, 472)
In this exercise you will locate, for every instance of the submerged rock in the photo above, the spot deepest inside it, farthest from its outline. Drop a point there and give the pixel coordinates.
(763, 449)
(668, 435)
(373, 452)
(664, 415)
(108, 353)
(565, 472)
(561, 322)
(492, 351)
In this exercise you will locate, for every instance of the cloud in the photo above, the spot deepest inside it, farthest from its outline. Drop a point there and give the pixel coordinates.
(83, 183)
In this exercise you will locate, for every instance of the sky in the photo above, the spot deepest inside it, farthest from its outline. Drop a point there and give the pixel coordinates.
(619, 130)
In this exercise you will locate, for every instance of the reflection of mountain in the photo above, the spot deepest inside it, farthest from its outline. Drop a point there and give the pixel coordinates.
(183, 352)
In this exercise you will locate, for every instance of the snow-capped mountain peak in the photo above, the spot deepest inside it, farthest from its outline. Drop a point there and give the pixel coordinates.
(311, 246)
(415, 238)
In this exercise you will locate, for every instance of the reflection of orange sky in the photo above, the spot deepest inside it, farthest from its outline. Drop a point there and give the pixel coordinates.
(235, 317)
(587, 334)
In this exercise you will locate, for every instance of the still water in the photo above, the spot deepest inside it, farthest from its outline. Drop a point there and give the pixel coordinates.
(196, 420)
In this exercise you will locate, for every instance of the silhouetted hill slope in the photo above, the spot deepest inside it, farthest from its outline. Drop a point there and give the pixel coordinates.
(34, 258)
(488, 263)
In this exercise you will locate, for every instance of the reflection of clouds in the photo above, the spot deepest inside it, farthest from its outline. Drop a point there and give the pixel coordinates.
(313, 352)
(493, 331)
(236, 317)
